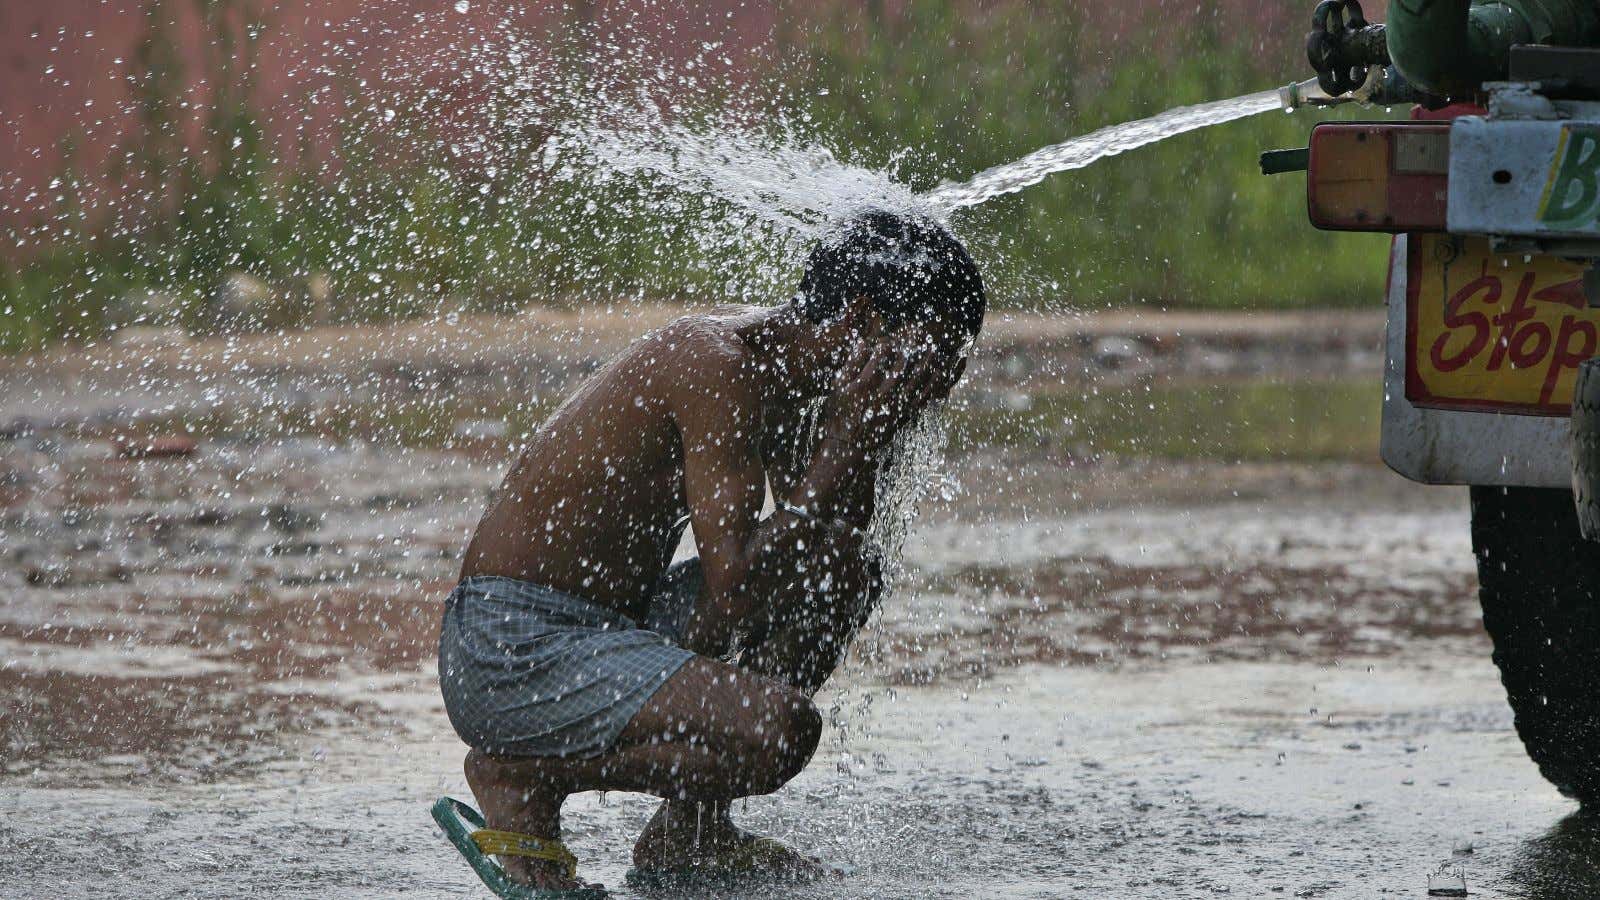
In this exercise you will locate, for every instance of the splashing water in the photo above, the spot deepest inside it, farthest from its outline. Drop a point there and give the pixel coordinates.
(914, 473)
(780, 179)
(788, 186)
(1095, 146)
(777, 184)
(916, 459)
(802, 187)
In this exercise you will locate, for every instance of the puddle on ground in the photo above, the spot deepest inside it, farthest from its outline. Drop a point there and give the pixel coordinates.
(1106, 674)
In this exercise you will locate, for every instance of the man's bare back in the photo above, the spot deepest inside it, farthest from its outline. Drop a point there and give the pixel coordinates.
(590, 506)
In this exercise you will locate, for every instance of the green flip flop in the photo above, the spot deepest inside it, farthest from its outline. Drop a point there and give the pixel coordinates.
(465, 828)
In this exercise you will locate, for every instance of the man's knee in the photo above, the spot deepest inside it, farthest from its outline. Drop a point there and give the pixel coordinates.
(805, 732)
(787, 742)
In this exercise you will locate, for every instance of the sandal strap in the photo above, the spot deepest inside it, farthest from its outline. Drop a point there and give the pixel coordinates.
(509, 843)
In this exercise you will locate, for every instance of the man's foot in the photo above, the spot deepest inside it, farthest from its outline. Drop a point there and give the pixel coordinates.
(700, 840)
(516, 795)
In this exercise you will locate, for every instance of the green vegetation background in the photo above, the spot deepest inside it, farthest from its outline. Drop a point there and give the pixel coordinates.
(1188, 222)
(940, 89)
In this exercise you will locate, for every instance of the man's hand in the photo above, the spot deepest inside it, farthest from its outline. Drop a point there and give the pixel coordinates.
(883, 387)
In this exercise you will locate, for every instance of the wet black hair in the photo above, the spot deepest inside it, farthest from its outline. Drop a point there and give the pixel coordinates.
(912, 269)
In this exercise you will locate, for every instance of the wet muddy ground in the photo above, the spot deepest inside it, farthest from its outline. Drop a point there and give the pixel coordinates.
(1108, 673)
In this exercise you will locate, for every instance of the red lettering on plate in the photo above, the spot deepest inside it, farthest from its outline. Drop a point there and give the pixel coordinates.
(1566, 355)
(1514, 338)
(1567, 293)
(1454, 318)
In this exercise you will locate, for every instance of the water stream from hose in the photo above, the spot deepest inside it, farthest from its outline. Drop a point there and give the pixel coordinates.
(1096, 145)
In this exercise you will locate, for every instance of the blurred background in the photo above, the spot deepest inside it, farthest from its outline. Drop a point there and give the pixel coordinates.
(244, 165)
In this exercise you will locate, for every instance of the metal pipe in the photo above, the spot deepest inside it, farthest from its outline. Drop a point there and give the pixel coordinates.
(1384, 87)
(1451, 47)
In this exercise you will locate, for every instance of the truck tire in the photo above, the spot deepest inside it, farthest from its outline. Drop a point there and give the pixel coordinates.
(1585, 435)
(1539, 583)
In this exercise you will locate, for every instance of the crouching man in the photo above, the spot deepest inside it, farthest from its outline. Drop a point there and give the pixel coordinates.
(574, 657)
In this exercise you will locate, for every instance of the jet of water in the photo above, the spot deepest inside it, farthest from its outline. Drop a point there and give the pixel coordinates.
(1093, 147)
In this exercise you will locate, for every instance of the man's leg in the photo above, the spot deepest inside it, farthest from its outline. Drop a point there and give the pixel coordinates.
(809, 630)
(710, 734)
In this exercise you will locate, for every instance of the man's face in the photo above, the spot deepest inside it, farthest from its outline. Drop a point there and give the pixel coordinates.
(863, 328)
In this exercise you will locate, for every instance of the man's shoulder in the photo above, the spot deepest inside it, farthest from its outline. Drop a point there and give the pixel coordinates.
(709, 364)
(707, 344)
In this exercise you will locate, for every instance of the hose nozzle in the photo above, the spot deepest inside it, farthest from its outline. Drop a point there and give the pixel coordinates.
(1384, 86)
(1296, 94)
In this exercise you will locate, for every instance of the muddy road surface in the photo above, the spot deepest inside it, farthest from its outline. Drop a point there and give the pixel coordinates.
(1106, 673)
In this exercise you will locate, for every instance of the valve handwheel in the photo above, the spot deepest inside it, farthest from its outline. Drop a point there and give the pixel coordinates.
(1332, 50)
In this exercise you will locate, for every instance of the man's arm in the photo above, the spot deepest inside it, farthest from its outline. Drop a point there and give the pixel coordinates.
(724, 481)
(857, 502)
(725, 485)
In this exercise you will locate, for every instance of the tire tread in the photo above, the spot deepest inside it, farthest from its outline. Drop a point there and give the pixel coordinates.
(1537, 584)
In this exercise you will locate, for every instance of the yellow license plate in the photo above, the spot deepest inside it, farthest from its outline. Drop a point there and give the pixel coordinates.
(1493, 332)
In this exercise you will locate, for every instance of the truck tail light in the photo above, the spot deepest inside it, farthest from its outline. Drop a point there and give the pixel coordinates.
(1378, 176)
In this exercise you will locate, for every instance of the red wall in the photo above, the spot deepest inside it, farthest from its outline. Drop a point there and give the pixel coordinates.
(65, 67)
(64, 64)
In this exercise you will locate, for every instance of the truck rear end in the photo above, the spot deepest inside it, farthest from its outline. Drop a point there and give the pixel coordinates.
(1491, 377)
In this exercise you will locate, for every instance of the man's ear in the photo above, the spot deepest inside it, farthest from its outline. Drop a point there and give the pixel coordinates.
(856, 314)
(866, 320)
(835, 337)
